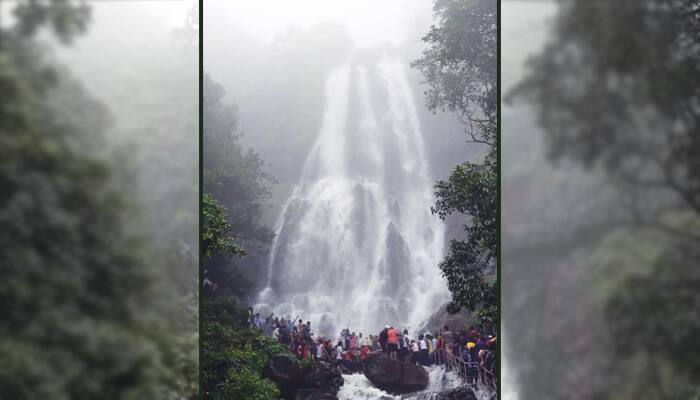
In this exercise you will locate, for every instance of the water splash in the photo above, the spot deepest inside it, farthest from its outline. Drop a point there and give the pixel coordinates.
(358, 387)
(356, 245)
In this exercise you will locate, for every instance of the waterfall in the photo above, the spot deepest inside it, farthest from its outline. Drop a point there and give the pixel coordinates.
(356, 245)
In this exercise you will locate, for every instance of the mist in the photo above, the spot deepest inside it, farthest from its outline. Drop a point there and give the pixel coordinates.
(595, 234)
(100, 199)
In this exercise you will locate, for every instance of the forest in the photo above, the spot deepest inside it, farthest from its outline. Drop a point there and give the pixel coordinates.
(600, 199)
(99, 295)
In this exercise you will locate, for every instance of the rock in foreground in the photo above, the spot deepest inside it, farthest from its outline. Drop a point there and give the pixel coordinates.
(284, 370)
(457, 394)
(314, 394)
(320, 382)
(393, 376)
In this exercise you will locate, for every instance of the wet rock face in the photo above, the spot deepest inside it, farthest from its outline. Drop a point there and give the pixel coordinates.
(321, 382)
(314, 394)
(325, 376)
(284, 370)
(457, 394)
(393, 376)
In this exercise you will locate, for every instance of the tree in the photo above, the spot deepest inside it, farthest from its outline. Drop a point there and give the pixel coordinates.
(460, 68)
(661, 305)
(78, 297)
(235, 179)
(236, 186)
(614, 91)
(234, 176)
(216, 236)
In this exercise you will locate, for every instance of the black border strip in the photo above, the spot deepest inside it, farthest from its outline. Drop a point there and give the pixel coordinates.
(499, 260)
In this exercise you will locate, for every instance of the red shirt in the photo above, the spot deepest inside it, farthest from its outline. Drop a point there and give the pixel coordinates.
(391, 336)
(363, 352)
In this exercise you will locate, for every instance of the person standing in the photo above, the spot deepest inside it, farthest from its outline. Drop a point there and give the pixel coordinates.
(339, 353)
(447, 335)
(383, 338)
(423, 355)
(404, 352)
(363, 353)
(429, 344)
(392, 341)
(415, 352)
(375, 342)
(256, 322)
(440, 350)
(319, 349)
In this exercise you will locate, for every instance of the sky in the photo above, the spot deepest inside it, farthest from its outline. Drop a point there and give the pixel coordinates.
(367, 21)
(524, 30)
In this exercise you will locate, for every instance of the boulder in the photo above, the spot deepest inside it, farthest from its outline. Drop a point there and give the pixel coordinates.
(324, 376)
(314, 394)
(284, 370)
(457, 394)
(320, 382)
(393, 376)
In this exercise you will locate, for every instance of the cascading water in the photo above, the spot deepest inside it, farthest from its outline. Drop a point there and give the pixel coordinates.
(358, 387)
(356, 245)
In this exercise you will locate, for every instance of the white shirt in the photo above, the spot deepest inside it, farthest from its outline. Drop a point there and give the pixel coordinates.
(339, 353)
(422, 345)
(414, 347)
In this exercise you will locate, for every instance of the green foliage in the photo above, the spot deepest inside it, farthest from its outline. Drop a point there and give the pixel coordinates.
(216, 236)
(621, 96)
(246, 384)
(79, 295)
(233, 354)
(654, 315)
(460, 67)
(237, 187)
(235, 177)
(65, 19)
(307, 363)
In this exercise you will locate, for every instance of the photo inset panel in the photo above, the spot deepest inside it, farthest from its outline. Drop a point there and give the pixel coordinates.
(350, 232)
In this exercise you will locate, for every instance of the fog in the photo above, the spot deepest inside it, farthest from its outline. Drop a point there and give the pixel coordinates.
(272, 58)
(101, 241)
(593, 251)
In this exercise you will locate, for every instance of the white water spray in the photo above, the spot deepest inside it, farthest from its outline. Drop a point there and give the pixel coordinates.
(358, 387)
(356, 245)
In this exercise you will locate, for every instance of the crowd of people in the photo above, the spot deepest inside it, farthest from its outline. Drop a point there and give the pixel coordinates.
(474, 348)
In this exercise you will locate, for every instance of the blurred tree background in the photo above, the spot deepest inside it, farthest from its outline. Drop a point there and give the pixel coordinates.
(95, 304)
(615, 285)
